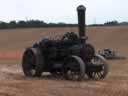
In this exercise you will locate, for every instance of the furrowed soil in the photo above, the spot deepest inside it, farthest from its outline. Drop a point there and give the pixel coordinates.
(14, 83)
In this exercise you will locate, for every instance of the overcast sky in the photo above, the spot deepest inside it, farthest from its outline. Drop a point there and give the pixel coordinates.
(98, 11)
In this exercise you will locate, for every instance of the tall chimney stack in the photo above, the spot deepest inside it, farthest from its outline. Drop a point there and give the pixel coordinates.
(81, 22)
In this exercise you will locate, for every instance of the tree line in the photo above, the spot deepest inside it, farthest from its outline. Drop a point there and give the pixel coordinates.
(108, 23)
(39, 24)
(32, 24)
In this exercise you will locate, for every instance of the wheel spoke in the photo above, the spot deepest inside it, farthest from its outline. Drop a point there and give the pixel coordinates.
(99, 74)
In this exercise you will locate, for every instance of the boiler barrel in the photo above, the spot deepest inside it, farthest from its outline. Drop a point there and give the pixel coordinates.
(81, 22)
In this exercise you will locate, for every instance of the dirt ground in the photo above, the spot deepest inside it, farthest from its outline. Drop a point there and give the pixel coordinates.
(14, 83)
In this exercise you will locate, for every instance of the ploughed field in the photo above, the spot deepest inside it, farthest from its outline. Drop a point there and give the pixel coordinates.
(14, 83)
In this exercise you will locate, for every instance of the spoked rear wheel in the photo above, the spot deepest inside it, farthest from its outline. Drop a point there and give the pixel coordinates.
(74, 69)
(32, 62)
(102, 65)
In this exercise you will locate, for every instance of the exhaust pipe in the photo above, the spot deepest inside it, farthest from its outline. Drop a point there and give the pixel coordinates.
(81, 22)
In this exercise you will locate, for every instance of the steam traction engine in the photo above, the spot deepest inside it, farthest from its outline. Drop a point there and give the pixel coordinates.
(70, 56)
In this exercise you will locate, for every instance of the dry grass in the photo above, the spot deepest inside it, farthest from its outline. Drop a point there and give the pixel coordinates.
(13, 82)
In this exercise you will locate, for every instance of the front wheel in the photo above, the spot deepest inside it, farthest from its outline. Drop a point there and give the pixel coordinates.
(74, 69)
(101, 64)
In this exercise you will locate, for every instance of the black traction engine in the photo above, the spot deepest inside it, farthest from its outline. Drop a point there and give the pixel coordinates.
(71, 56)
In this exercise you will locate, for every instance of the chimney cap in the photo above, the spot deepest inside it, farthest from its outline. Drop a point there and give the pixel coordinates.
(81, 7)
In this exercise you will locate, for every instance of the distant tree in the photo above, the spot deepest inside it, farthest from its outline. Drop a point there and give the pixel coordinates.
(3, 25)
(12, 24)
(21, 24)
(111, 23)
(124, 23)
(35, 23)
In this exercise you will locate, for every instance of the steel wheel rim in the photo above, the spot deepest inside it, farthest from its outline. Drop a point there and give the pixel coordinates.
(74, 69)
(99, 60)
